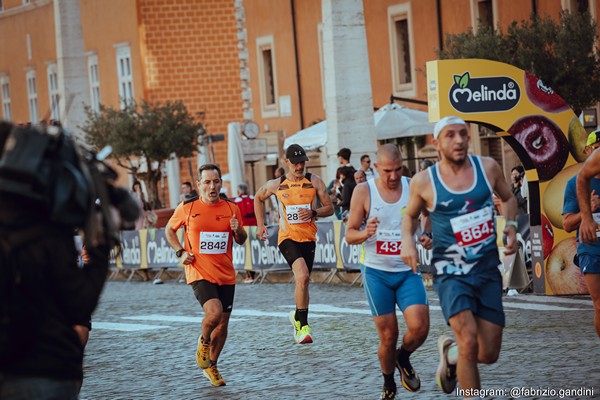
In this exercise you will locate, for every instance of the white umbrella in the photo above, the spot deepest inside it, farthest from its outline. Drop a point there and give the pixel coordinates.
(310, 138)
(391, 121)
(395, 121)
(235, 156)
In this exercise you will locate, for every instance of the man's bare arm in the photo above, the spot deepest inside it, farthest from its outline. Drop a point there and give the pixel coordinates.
(591, 167)
(326, 208)
(410, 220)
(354, 235)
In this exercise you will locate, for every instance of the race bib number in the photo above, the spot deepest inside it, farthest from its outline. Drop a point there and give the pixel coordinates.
(291, 213)
(473, 228)
(597, 220)
(389, 242)
(213, 242)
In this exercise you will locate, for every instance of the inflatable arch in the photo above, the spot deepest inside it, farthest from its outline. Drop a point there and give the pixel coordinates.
(545, 134)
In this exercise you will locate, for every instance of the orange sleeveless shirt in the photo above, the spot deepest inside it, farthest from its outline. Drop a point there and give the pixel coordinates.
(292, 196)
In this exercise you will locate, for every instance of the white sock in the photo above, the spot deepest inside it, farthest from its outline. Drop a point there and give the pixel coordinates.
(453, 354)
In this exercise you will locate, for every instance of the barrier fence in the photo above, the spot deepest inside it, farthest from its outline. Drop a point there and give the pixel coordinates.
(148, 249)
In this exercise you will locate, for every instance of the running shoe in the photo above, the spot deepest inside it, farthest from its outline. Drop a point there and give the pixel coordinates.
(408, 376)
(445, 376)
(214, 376)
(302, 335)
(203, 354)
(387, 394)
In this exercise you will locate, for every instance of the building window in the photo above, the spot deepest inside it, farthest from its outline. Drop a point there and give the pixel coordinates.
(267, 76)
(94, 82)
(32, 97)
(53, 92)
(402, 49)
(125, 75)
(579, 6)
(5, 92)
(483, 13)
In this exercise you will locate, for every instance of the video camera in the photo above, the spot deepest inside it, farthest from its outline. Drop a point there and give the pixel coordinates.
(43, 170)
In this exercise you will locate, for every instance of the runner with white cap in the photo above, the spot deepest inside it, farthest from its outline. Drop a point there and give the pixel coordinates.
(457, 193)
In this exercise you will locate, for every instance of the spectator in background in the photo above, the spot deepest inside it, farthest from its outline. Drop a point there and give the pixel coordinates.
(147, 218)
(334, 189)
(406, 171)
(360, 177)
(348, 184)
(516, 177)
(365, 166)
(344, 156)
(426, 163)
(246, 204)
(187, 191)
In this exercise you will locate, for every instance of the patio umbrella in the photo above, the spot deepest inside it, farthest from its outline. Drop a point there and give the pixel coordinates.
(310, 138)
(396, 121)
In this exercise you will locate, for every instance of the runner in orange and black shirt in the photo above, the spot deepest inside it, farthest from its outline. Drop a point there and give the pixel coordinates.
(211, 224)
(296, 192)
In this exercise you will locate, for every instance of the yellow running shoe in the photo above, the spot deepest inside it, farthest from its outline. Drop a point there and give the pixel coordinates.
(214, 376)
(304, 335)
(203, 354)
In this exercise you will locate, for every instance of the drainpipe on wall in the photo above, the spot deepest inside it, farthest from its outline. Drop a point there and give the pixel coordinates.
(293, 7)
(534, 7)
(438, 9)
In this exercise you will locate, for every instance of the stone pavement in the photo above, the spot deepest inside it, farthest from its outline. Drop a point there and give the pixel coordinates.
(144, 341)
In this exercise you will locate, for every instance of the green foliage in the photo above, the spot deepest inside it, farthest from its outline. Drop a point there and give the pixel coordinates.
(146, 134)
(562, 55)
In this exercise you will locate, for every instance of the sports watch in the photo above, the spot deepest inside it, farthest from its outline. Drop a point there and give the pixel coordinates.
(179, 252)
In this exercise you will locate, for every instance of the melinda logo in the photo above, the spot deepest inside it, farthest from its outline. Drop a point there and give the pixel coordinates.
(498, 93)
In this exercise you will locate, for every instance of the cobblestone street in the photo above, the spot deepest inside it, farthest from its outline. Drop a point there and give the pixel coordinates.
(144, 341)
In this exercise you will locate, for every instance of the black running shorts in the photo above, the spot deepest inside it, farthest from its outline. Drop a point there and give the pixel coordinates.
(205, 290)
(293, 250)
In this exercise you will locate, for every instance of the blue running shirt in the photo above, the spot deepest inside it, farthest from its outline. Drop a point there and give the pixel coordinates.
(462, 222)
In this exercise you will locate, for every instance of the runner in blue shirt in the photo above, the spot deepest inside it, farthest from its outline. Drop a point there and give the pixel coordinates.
(457, 193)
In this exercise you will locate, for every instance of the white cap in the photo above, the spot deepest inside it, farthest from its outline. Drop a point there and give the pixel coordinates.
(444, 122)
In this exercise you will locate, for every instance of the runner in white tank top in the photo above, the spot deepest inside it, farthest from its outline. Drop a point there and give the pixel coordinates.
(386, 279)
(382, 250)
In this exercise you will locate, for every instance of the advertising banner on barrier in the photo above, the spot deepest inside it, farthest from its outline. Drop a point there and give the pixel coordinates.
(131, 250)
(349, 254)
(325, 254)
(266, 254)
(159, 253)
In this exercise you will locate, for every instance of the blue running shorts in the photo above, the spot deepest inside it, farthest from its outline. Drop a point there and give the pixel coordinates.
(386, 289)
(589, 263)
(480, 291)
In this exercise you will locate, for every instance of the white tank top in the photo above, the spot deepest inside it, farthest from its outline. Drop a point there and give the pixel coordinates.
(382, 250)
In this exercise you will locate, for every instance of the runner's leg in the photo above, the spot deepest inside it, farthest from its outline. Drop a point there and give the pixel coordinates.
(464, 327)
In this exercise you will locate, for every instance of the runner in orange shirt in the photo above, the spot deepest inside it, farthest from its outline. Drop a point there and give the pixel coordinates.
(211, 224)
(297, 192)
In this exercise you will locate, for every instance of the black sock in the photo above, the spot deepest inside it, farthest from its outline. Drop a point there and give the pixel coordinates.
(388, 382)
(203, 341)
(302, 316)
(403, 357)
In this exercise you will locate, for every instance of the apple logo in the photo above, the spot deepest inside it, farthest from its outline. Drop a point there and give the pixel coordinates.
(543, 96)
(544, 142)
(562, 275)
(547, 236)
(577, 140)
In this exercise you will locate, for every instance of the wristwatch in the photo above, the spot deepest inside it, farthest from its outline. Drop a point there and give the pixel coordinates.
(314, 213)
(179, 252)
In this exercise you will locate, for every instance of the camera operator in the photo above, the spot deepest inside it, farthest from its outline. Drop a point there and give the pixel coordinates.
(45, 298)
(516, 176)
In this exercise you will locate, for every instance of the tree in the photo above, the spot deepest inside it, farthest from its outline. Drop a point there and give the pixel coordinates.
(143, 137)
(563, 55)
